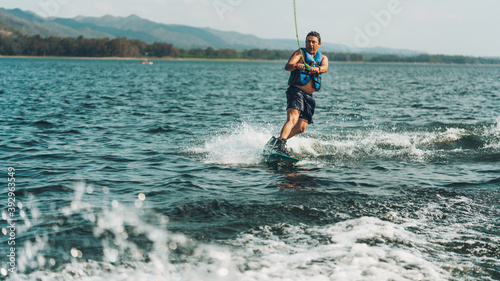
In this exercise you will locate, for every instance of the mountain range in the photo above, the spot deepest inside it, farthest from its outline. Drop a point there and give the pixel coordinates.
(135, 27)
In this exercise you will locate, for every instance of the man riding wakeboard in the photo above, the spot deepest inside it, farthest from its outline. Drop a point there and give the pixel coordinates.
(306, 66)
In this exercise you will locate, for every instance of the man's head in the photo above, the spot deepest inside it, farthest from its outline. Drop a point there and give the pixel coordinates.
(315, 34)
(313, 41)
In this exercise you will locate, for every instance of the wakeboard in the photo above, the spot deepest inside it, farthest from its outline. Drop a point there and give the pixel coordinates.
(272, 155)
(277, 157)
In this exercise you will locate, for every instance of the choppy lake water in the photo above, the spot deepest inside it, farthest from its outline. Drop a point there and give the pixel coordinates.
(154, 172)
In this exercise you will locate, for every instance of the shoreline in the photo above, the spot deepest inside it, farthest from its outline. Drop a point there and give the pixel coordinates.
(221, 59)
(132, 58)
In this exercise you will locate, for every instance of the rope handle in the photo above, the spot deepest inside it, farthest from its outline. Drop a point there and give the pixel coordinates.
(308, 67)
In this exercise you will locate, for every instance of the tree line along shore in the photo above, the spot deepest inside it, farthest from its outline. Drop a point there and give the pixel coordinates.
(38, 46)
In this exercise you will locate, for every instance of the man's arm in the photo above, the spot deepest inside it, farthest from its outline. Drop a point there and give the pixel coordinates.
(294, 59)
(324, 65)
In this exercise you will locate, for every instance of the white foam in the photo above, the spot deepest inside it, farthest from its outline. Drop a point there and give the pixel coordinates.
(358, 145)
(241, 146)
(358, 249)
(365, 248)
(244, 143)
(493, 133)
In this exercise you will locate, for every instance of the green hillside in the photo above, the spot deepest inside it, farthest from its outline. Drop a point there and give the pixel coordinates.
(181, 36)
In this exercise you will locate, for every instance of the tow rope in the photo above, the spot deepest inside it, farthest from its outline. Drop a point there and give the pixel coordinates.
(308, 67)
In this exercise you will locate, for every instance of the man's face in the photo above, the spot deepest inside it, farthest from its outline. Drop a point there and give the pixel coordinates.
(312, 44)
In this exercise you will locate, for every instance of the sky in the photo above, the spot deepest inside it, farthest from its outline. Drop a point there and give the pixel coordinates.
(451, 27)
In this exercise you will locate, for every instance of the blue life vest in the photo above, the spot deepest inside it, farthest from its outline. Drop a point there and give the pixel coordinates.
(301, 78)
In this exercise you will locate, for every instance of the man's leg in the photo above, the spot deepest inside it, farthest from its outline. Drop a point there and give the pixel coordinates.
(299, 128)
(292, 118)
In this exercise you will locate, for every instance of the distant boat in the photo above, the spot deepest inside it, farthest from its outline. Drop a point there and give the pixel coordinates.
(146, 62)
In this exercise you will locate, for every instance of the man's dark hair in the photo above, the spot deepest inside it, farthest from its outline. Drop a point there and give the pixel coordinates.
(316, 34)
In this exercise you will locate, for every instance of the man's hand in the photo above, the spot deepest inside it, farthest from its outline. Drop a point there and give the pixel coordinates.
(312, 70)
(300, 66)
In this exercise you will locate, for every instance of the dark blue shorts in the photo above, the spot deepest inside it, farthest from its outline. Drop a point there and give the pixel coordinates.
(299, 99)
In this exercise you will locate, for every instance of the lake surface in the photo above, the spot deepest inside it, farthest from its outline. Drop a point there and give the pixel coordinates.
(154, 172)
